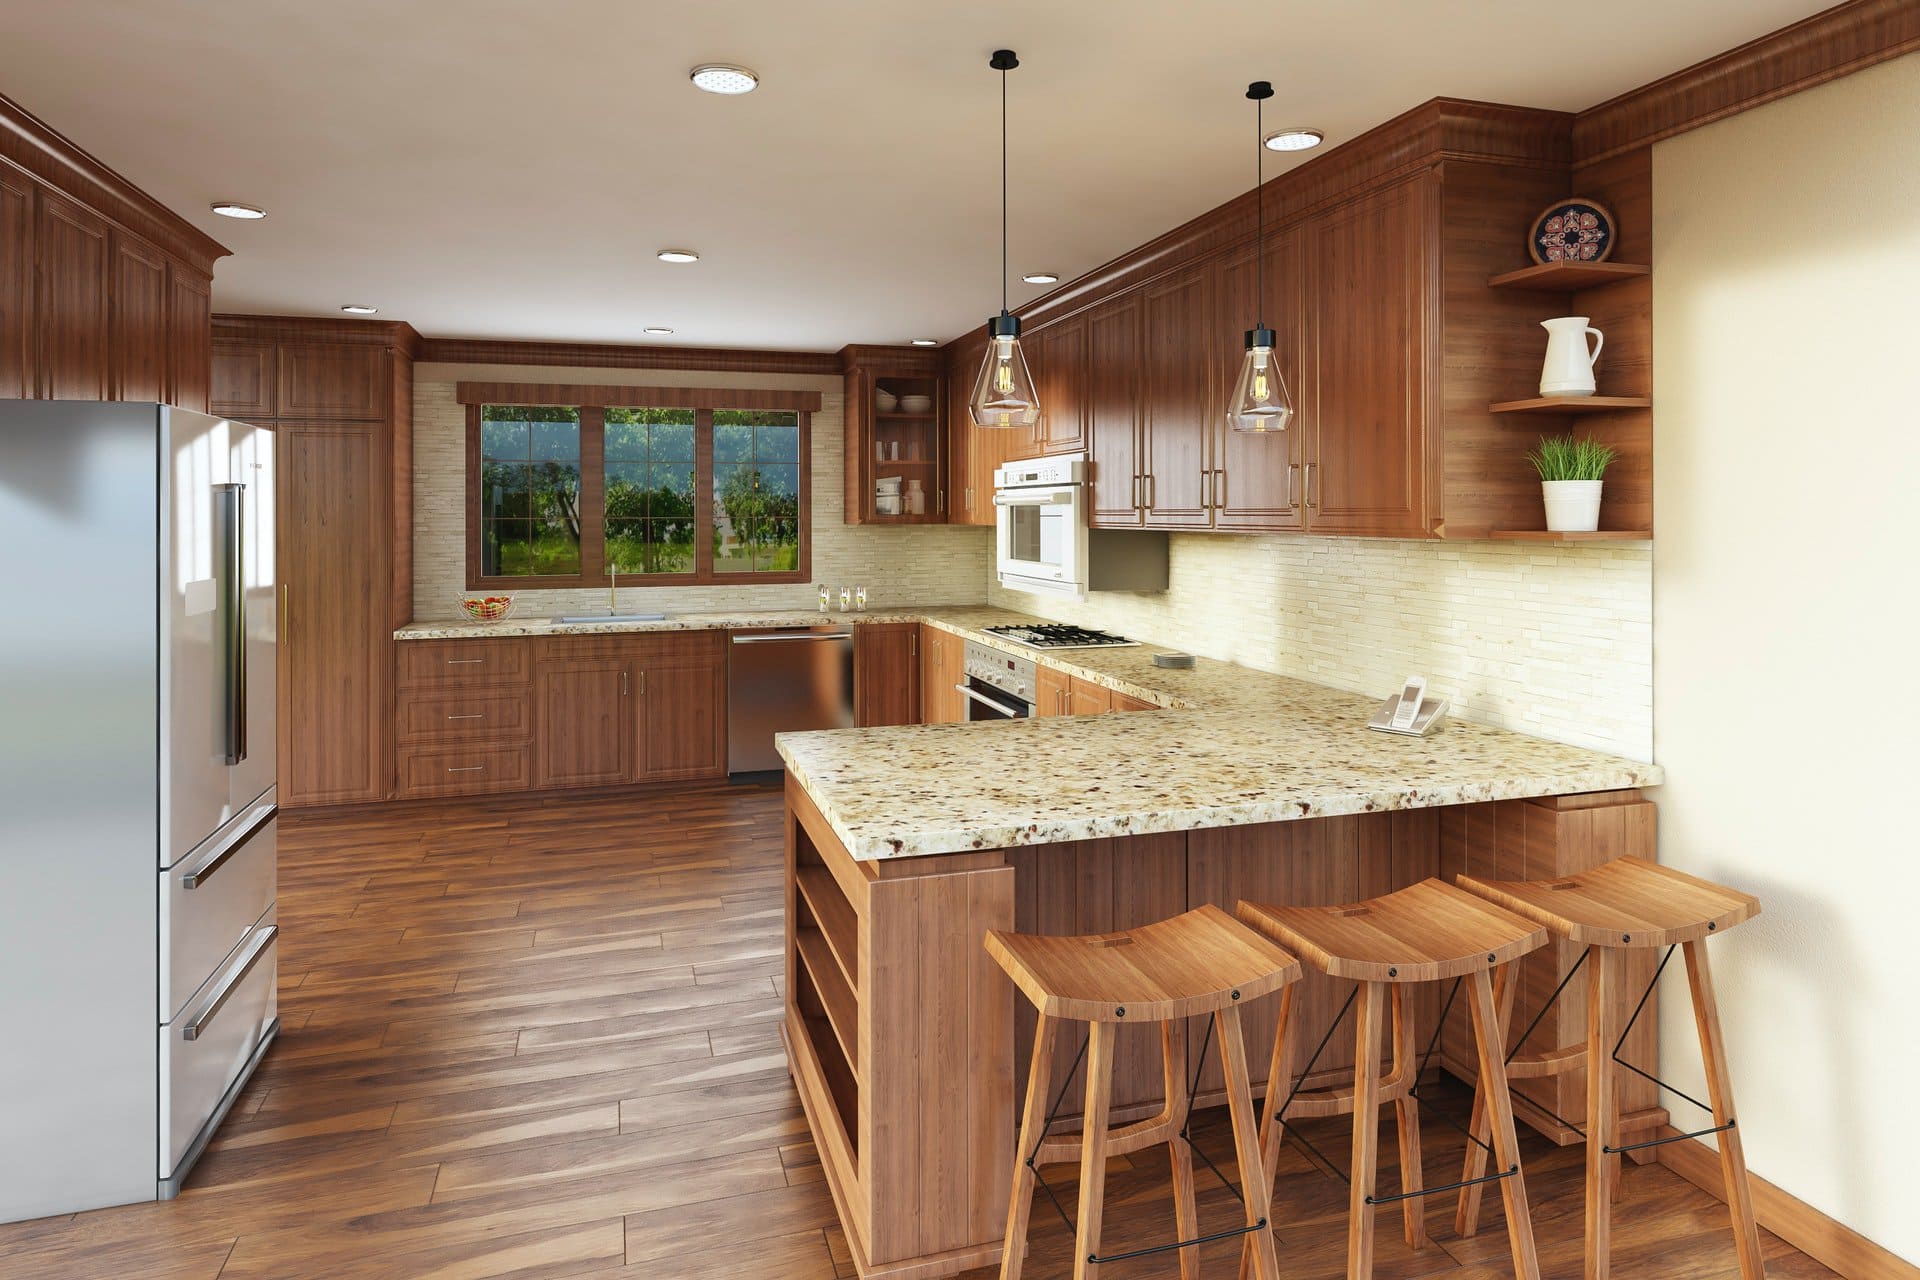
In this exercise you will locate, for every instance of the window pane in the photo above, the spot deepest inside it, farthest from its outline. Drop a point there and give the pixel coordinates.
(626, 490)
(756, 491)
(672, 542)
(671, 484)
(627, 546)
(529, 490)
(672, 441)
(776, 444)
(649, 475)
(778, 550)
(733, 547)
(732, 444)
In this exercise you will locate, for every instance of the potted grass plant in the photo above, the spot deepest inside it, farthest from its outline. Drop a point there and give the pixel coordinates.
(1570, 475)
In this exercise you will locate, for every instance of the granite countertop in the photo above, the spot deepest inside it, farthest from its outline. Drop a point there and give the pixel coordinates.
(1231, 746)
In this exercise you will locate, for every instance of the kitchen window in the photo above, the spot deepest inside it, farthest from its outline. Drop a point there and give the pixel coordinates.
(649, 493)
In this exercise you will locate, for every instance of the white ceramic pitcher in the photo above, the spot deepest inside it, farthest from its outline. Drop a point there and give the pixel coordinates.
(1568, 370)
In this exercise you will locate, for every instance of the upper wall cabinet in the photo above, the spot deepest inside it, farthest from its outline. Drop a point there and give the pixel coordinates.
(895, 411)
(1378, 275)
(334, 382)
(104, 293)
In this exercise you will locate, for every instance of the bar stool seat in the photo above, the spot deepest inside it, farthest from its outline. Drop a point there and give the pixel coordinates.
(1427, 932)
(1628, 904)
(1202, 962)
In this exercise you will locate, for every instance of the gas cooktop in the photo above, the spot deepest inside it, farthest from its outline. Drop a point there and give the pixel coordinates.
(1059, 635)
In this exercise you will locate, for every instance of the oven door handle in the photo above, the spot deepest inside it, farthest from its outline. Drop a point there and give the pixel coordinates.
(1010, 712)
(1048, 500)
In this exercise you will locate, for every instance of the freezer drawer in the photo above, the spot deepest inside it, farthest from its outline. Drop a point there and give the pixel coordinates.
(206, 1048)
(209, 903)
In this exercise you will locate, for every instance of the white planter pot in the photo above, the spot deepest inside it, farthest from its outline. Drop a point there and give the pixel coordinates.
(1573, 506)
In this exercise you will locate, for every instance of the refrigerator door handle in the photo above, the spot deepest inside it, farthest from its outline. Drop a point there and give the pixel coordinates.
(197, 1025)
(230, 515)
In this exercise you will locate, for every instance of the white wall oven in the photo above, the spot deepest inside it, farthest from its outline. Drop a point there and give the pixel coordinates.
(1040, 524)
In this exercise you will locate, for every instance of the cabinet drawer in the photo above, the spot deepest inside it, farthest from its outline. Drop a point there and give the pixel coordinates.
(430, 664)
(204, 1050)
(426, 717)
(209, 902)
(456, 771)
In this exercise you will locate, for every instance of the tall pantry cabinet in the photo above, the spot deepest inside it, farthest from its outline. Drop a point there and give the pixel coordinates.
(339, 396)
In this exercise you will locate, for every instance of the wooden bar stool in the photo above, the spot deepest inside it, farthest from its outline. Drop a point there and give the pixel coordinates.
(1628, 904)
(1428, 932)
(1202, 962)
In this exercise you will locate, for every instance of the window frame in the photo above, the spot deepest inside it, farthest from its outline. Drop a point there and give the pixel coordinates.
(593, 498)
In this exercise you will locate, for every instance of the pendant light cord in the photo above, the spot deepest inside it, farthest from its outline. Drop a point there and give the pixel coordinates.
(1003, 191)
(1259, 210)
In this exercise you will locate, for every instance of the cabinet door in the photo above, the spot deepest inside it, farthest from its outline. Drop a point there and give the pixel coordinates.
(71, 308)
(1256, 483)
(336, 381)
(1367, 395)
(333, 637)
(682, 718)
(1085, 698)
(1052, 689)
(138, 345)
(1061, 380)
(1177, 398)
(18, 377)
(1113, 413)
(886, 674)
(940, 664)
(963, 501)
(243, 380)
(189, 339)
(583, 731)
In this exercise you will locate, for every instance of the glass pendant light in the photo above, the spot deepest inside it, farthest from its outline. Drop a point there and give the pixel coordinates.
(1260, 402)
(1003, 394)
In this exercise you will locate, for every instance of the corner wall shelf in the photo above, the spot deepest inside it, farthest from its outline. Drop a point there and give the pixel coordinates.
(1548, 535)
(1572, 404)
(1569, 277)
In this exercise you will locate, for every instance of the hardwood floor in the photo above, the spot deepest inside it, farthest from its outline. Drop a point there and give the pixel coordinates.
(537, 1038)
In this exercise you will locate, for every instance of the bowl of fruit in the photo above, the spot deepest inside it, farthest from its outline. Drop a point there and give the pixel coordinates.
(486, 608)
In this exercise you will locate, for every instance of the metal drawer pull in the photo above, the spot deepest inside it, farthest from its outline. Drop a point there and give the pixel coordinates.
(203, 873)
(465, 662)
(470, 768)
(262, 941)
(784, 639)
(477, 715)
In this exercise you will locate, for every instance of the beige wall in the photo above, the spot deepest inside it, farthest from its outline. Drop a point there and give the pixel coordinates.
(1786, 277)
(1553, 641)
(902, 565)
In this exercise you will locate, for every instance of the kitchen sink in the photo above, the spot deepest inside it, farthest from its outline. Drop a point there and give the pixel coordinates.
(583, 619)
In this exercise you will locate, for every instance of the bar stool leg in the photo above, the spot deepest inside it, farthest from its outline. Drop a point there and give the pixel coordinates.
(1733, 1160)
(1273, 1128)
(1093, 1149)
(1488, 1038)
(1466, 1218)
(1406, 1114)
(1366, 1130)
(1257, 1192)
(1603, 1106)
(1033, 1118)
(1179, 1155)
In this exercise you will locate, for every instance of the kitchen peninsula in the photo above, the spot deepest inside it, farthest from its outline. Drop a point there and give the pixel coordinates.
(906, 844)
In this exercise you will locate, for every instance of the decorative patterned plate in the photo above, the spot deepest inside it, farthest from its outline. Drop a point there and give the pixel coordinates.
(1575, 230)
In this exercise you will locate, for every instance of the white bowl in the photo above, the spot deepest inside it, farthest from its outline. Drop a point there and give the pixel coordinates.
(885, 401)
(915, 404)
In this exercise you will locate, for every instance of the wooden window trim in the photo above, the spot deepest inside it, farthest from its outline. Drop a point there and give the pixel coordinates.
(589, 395)
(593, 506)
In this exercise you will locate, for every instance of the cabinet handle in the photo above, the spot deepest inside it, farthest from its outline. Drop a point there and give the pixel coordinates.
(476, 715)
(1306, 485)
(969, 497)
(286, 611)
(262, 940)
(939, 499)
(1220, 488)
(623, 684)
(465, 662)
(1291, 468)
(471, 768)
(1152, 490)
(913, 645)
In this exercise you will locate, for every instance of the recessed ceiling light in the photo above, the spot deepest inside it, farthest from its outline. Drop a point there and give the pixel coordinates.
(659, 329)
(721, 77)
(677, 255)
(228, 209)
(1295, 140)
(926, 342)
(359, 309)
(1041, 277)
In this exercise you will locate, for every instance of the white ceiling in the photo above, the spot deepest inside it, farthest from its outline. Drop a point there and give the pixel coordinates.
(507, 168)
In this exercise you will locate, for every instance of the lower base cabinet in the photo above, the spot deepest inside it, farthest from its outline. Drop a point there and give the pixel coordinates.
(474, 716)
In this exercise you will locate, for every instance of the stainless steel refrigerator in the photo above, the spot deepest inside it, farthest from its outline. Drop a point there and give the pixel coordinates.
(137, 801)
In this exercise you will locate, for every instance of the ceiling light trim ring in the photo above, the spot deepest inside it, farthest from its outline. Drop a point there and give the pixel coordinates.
(728, 79)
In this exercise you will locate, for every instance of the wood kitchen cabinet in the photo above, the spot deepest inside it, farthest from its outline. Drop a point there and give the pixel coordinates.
(72, 303)
(1117, 496)
(138, 333)
(1177, 397)
(943, 665)
(585, 720)
(903, 443)
(1051, 687)
(1256, 480)
(886, 674)
(1057, 356)
(680, 692)
(344, 534)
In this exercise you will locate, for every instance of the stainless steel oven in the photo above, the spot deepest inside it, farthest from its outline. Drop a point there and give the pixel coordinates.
(998, 686)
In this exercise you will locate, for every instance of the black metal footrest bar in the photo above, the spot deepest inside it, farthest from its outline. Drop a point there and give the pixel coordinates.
(1661, 1142)
(1100, 1259)
(1451, 1186)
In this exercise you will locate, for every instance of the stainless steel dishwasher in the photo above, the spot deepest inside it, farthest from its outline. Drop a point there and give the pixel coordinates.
(783, 680)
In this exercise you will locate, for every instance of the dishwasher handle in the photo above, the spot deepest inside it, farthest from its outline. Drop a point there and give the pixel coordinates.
(792, 636)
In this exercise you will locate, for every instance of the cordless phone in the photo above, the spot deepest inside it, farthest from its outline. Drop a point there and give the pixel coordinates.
(1410, 711)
